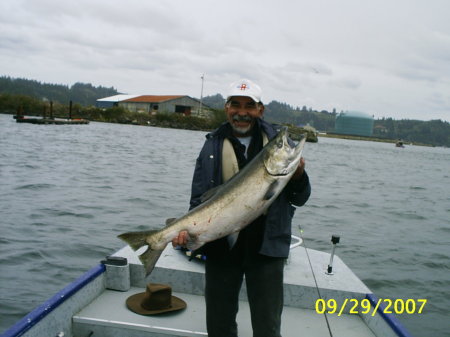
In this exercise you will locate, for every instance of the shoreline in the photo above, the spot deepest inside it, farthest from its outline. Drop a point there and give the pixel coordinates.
(370, 139)
(179, 123)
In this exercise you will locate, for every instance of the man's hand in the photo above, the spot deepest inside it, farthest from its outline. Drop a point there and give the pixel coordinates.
(300, 169)
(180, 240)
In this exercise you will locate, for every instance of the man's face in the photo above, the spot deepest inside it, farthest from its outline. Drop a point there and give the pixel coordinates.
(241, 112)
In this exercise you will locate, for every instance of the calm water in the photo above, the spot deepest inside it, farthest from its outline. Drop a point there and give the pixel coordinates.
(67, 191)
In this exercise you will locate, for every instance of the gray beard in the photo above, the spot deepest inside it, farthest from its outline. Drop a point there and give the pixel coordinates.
(241, 130)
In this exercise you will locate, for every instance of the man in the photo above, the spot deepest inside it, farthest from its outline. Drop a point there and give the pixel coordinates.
(260, 250)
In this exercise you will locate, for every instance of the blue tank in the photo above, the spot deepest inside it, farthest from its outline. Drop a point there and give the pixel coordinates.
(354, 123)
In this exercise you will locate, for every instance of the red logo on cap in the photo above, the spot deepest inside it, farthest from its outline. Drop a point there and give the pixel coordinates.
(243, 86)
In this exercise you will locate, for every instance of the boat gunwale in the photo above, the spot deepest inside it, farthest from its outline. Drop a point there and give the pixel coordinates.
(37, 314)
(390, 319)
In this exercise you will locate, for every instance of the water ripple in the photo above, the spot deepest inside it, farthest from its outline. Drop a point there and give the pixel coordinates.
(67, 196)
(34, 187)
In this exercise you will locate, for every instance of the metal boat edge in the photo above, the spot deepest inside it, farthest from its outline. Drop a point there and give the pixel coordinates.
(55, 302)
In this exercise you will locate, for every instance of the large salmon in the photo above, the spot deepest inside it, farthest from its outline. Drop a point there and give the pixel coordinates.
(230, 207)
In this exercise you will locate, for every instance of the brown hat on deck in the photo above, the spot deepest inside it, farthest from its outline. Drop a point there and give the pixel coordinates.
(157, 299)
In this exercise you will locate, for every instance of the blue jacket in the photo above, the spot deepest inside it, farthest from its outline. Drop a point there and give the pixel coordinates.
(277, 228)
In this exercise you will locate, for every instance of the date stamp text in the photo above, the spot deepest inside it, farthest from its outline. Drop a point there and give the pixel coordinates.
(364, 306)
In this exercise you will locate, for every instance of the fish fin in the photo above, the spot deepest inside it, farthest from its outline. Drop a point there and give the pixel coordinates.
(170, 221)
(209, 194)
(232, 239)
(136, 240)
(193, 244)
(271, 191)
(149, 259)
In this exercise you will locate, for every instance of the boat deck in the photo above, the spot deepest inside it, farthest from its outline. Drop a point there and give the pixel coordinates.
(108, 315)
(119, 321)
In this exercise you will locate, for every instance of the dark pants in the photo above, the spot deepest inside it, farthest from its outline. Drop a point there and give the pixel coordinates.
(264, 281)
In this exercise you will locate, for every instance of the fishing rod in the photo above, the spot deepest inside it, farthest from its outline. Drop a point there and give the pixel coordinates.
(334, 239)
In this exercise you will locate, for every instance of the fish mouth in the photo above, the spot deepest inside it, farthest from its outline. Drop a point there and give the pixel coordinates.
(283, 158)
(293, 161)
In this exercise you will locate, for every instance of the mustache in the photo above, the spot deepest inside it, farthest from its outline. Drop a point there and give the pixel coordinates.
(239, 118)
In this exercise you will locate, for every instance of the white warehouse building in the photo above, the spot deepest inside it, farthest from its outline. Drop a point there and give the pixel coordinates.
(153, 104)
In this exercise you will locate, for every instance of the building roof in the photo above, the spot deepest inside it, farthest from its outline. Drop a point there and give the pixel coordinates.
(116, 98)
(152, 98)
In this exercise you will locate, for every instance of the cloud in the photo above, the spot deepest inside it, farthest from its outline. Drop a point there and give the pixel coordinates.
(390, 58)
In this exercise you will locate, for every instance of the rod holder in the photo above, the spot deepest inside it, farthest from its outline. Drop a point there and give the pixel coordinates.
(334, 240)
(117, 273)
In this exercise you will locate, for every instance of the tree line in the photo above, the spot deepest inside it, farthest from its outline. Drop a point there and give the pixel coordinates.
(278, 112)
(32, 97)
(434, 132)
(84, 94)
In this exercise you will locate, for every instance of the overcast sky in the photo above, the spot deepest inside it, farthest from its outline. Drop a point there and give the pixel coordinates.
(388, 58)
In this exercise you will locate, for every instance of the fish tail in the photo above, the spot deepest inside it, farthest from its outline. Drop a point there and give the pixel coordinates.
(137, 240)
(149, 259)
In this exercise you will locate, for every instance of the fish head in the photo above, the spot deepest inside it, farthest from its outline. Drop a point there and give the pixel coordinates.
(280, 158)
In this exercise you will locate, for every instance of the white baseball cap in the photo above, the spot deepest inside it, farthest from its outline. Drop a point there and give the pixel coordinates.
(245, 88)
